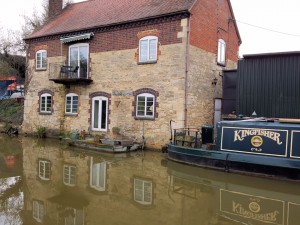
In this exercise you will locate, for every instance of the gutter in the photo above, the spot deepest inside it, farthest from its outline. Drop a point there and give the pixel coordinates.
(187, 64)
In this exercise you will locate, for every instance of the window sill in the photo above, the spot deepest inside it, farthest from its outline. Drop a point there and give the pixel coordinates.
(147, 62)
(41, 69)
(71, 114)
(45, 113)
(144, 118)
(221, 64)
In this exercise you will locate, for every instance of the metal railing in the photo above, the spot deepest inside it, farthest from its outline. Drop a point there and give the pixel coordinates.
(189, 137)
(60, 71)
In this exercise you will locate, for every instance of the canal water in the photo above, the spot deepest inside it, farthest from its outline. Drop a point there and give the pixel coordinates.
(48, 182)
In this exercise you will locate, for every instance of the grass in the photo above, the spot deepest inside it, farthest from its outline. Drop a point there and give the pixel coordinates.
(11, 111)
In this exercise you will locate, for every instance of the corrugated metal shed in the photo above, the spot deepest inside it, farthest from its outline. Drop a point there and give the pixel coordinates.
(269, 84)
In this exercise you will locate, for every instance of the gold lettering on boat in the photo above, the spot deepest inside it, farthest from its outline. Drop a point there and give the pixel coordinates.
(239, 135)
(253, 212)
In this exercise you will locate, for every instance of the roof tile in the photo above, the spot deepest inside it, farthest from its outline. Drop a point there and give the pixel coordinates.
(98, 13)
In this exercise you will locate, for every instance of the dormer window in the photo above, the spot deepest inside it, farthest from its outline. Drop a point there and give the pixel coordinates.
(41, 60)
(221, 52)
(148, 49)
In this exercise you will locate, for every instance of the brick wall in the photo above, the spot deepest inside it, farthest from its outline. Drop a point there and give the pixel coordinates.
(112, 39)
(210, 21)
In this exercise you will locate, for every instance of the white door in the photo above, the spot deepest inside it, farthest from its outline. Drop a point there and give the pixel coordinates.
(99, 113)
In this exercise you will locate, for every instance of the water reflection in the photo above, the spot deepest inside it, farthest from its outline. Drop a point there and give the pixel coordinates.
(49, 183)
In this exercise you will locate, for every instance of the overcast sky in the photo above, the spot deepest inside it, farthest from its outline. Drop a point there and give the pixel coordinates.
(264, 25)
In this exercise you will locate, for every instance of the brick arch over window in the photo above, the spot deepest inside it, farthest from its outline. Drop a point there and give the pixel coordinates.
(99, 94)
(145, 33)
(42, 92)
(145, 91)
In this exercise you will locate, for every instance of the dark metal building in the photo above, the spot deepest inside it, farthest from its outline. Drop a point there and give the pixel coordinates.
(229, 91)
(269, 84)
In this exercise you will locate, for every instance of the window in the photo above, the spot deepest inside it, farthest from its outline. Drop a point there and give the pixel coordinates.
(98, 175)
(38, 211)
(44, 169)
(73, 216)
(46, 103)
(99, 113)
(145, 105)
(71, 103)
(41, 59)
(143, 191)
(78, 56)
(148, 49)
(221, 52)
(69, 175)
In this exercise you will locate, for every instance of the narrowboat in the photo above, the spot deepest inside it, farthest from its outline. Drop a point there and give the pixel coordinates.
(259, 145)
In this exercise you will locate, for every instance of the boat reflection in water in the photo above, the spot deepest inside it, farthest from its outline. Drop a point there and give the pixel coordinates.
(70, 186)
(238, 199)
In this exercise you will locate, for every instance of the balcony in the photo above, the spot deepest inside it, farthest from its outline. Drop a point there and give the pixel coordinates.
(67, 75)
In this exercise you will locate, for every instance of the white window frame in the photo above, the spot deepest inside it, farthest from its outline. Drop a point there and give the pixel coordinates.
(38, 210)
(44, 98)
(44, 169)
(146, 108)
(72, 105)
(78, 58)
(221, 52)
(69, 175)
(77, 217)
(41, 60)
(99, 171)
(151, 54)
(142, 188)
(101, 99)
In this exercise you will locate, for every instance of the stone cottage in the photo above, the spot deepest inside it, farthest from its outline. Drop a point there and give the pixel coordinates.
(130, 64)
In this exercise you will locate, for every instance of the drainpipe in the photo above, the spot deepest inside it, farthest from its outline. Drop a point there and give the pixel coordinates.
(187, 63)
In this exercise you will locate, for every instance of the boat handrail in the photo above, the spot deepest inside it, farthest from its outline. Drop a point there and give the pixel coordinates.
(187, 137)
(262, 119)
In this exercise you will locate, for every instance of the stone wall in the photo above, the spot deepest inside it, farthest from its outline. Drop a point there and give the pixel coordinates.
(201, 91)
(116, 73)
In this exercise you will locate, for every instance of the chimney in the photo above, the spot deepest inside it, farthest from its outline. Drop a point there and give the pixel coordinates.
(55, 7)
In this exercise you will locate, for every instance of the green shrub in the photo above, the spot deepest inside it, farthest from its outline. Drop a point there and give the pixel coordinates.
(41, 132)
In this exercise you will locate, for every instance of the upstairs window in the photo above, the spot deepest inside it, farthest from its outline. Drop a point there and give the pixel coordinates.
(221, 52)
(46, 103)
(41, 60)
(71, 104)
(148, 49)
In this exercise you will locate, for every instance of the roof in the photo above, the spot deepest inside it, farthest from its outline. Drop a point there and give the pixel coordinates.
(100, 13)
(291, 53)
(4, 77)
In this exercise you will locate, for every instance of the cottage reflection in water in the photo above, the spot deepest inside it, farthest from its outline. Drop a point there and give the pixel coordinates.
(66, 186)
